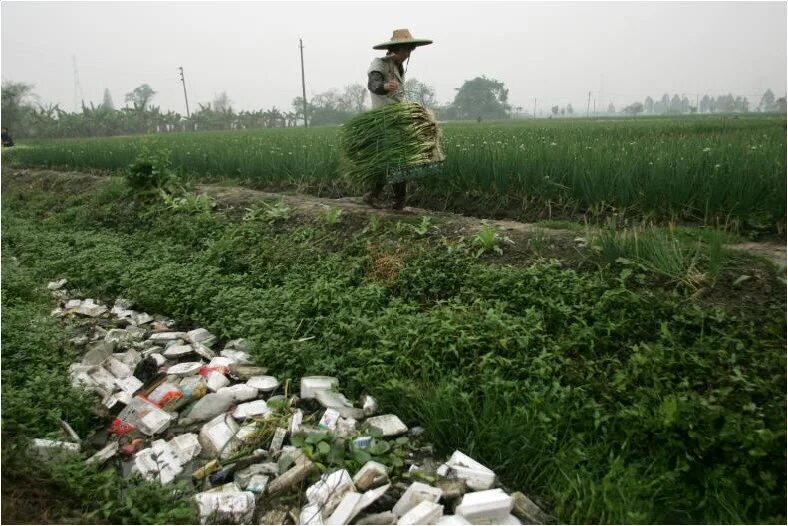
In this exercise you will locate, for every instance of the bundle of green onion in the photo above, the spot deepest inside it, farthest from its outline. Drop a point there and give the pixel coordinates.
(392, 143)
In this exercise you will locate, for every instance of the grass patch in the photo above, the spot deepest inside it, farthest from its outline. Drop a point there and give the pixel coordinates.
(612, 401)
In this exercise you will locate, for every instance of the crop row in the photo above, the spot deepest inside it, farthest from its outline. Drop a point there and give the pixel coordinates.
(713, 170)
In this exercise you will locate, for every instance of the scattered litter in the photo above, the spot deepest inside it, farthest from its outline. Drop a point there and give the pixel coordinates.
(311, 384)
(230, 505)
(232, 443)
(387, 425)
(416, 493)
(477, 476)
(425, 512)
(265, 384)
(485, 507)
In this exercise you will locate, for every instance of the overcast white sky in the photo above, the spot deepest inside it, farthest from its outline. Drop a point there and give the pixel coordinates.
(555, 52)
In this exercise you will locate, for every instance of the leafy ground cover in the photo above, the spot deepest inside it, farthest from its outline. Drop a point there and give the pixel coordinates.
(612, 399)
(716, 170)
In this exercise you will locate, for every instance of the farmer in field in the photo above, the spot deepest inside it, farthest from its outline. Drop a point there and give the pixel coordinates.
(7, 139)
(386, 78)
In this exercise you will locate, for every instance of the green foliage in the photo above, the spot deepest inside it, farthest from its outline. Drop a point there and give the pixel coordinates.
(381, 144)
(712, 169)
(663, 252)
(489, 239)
(270, 212)
(330, 451)
(332, 215)
(150, 171)
(189, 202)
(481, 98)
(613, 401)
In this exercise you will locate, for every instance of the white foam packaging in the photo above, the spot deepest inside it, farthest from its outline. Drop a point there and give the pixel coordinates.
(485, 507)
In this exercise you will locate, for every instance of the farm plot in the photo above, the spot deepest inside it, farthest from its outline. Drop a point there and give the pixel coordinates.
(611, 395)
(723, 170)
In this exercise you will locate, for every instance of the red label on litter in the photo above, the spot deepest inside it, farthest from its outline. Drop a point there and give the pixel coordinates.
(207, 370)
(120, 427)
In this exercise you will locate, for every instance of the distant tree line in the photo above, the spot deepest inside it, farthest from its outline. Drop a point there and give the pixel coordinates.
(676, 105)
(25, 116)
(480, 98)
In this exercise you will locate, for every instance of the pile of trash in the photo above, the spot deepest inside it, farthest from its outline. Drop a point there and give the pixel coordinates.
(179, 407)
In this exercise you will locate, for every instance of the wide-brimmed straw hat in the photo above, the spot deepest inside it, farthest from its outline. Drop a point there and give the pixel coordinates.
(403, 37)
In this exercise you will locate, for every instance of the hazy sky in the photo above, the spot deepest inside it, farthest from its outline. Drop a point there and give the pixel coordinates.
(555, 52)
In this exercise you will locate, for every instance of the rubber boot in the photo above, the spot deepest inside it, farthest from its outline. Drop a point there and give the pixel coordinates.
(400, 193)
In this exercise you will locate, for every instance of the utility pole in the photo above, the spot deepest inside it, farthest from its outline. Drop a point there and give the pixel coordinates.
(588, 105)
(183, 80)
(534, 108)
(77, 85)
(594, 106)
(303, 82)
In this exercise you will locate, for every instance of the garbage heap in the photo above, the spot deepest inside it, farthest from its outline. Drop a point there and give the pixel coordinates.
(179, 409)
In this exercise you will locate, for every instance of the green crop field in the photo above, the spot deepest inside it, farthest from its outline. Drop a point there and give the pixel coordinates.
(717, 170)
(628, 373)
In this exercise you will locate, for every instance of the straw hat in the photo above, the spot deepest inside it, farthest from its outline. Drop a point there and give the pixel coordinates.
(403, 37)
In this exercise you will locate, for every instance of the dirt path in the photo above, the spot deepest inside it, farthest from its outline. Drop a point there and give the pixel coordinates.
(239, 196)
(244, 197)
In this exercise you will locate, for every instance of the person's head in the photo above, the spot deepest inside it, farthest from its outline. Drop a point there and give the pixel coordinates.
(401, 44)
(400, 52)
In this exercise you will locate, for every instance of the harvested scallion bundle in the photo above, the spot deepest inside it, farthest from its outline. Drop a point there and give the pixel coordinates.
(392, 143)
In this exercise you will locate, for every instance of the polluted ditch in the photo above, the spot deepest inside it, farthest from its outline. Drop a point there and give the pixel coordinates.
(182, 406)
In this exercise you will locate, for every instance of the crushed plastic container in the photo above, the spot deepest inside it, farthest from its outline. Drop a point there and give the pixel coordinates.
(184, 369)
(295, 421)
(485, 507)
(201, 336)
(311, 515)
(164, 461)
(369, 405)
(346, 509)
(239, 392)
(106, 453)
(371, 475)
(368, 497)
(277, 440)
(452, 520)
(216, 380)
(387, 425)
(226, 505)
(329, 491)
(425, 512)
(217, 434)
(208, 407)
(177, 351)
(266, 384)
(338, 402)
(143, 415)
(237, 356)
(329, 420)
(165, 395)
(255, 408)
(477, 476)
(416, 493)
(312, 384)
(167, 336)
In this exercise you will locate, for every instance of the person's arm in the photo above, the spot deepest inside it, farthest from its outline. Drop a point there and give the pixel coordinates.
(376, 83)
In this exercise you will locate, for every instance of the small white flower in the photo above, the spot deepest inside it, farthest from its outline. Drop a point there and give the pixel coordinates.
(707, 149)
(553, 144)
